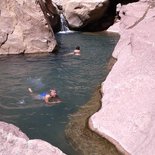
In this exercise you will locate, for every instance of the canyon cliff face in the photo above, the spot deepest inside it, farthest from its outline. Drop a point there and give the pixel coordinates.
(23, 28)
(90, 15)
(128, 104)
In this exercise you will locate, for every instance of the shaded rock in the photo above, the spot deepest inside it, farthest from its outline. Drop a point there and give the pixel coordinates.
(51, 13)
(24, 28)
(13, 141)
(127, 114)
(80, 14)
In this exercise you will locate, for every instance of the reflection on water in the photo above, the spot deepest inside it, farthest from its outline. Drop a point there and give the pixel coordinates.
(74, 78)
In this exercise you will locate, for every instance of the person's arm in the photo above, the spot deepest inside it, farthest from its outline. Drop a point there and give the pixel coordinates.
(31, 92)
(55, 100)
(46, 99)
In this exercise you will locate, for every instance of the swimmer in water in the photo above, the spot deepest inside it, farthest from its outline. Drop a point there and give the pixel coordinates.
(49, 98)
(75, 52)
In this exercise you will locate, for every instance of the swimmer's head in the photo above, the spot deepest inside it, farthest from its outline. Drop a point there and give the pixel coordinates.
(53, 93)
(77, 48)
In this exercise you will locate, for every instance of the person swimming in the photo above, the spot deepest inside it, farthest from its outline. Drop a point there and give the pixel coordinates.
(75, 52)
(49, 98)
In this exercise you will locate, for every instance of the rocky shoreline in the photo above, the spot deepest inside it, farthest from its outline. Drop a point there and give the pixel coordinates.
(13, 141)
(127, 115)
(81, 137)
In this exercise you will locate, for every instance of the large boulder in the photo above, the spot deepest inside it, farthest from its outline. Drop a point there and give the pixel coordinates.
(81, 14)
(14, 142)
(128, 103)
(23, 28)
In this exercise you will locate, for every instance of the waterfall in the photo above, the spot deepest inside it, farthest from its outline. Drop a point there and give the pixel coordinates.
(64, 25)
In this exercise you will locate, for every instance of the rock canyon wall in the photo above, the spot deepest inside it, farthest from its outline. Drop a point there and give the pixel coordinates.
(23, 28)
(128, 105)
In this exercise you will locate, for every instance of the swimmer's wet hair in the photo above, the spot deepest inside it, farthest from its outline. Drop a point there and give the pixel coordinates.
(77, 47)
(52, 89)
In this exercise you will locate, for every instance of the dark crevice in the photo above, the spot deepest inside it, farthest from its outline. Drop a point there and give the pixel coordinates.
(51, 15)
(2, 43)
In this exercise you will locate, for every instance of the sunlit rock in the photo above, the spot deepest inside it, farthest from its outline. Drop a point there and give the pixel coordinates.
(14, 142)
(128, 103)
(23, 28)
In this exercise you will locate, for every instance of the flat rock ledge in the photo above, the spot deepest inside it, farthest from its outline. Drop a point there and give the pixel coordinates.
(127, 116)
(14, 142)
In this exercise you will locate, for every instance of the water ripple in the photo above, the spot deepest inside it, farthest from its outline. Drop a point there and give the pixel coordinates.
(74, 78)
